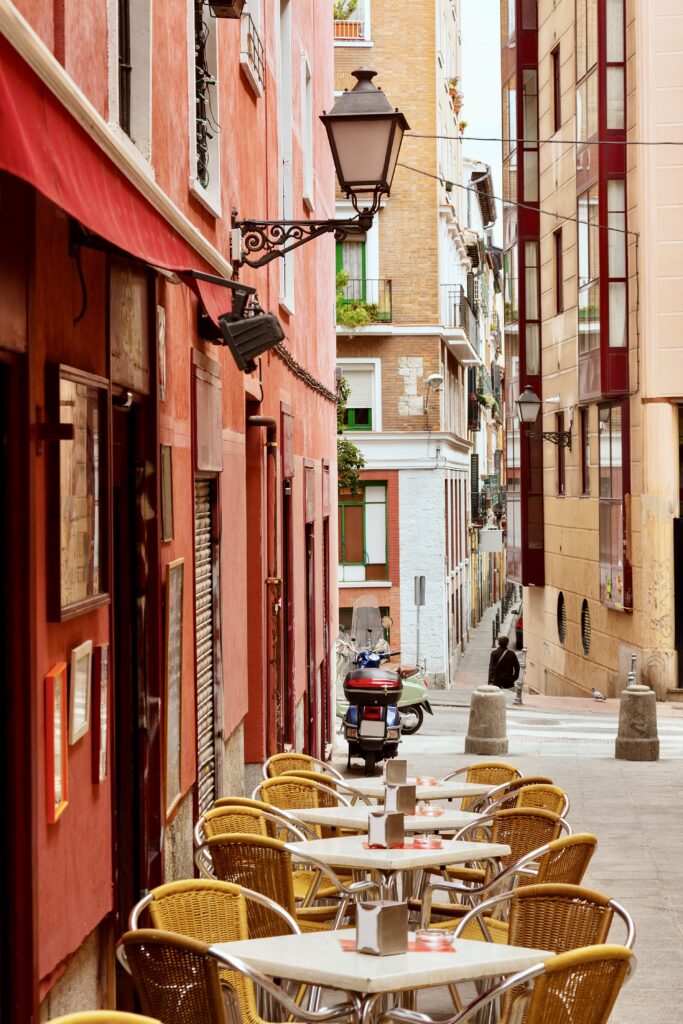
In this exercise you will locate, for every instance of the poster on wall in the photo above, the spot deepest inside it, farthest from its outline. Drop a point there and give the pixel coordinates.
(100, 704)
(79, 691)
(56, 750)
(173, 649)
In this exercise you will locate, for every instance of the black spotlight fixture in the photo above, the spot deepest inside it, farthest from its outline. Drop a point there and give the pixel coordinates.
(250, 337)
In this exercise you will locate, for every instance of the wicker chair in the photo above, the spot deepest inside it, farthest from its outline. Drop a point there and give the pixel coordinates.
(566, 859)
(278, 764)
(538, 794)
(487, 773)
(504, 795)
(103, 1017)
(184, 981)
(577, 987)
(351, 794)
(557, 917)
(212, 911)
(265, 866)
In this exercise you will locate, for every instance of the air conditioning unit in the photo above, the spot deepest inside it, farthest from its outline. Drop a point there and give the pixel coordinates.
(227, 8)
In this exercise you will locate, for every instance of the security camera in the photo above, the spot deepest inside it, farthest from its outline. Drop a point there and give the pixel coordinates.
(434, 380)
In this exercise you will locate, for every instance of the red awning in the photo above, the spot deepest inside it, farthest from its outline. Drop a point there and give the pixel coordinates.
(43, 144)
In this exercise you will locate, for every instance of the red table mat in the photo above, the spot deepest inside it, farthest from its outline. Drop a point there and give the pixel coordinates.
(349, 946)
(403, 846)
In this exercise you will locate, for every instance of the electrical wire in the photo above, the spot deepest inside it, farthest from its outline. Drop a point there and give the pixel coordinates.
(517, 202)
(539, 142)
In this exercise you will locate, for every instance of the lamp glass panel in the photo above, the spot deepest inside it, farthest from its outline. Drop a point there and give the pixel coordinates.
(361, 150)
(393, 156)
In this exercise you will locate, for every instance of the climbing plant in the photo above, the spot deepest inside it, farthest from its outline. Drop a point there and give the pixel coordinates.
(350, 460)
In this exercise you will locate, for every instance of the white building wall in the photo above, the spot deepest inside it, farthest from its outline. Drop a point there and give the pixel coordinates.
(421, 535)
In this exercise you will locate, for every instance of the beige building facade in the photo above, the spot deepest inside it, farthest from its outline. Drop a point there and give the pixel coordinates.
(594, 324)
(412, 337)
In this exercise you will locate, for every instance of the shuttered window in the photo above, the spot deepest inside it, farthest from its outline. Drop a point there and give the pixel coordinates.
(474, 486)
(206, 639)
(360, 404)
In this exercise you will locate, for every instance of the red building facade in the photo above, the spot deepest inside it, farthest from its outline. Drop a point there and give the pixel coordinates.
(169, 530)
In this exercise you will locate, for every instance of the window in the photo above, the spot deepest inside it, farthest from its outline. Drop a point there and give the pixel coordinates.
(585, 627)
(362, 401)
(559, 271)
(559, 427)
(130, 71)
(530, 133)
(561, 618)
(616, 262)
(589, 271)
(351, 258)
(587, 68)
(363, 534)
(557, 94)
(251, 48)
(585, 452)
(204, 109)
(532, 308)
(510, 278)
(307, 130)
(613, 589)
(285, 147)
(352, 21)
(614, 52)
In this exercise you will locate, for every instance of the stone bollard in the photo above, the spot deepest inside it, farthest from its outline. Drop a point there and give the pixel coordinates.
(487, 732)
(637, 738)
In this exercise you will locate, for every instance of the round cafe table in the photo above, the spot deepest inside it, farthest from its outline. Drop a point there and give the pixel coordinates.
(356, 818)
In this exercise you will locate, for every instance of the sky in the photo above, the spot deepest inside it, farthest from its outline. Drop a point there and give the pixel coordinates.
(481, 88)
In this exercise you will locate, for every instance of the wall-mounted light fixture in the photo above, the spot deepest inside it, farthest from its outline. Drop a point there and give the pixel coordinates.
(434, 382)
(365, 134)
(528, 408)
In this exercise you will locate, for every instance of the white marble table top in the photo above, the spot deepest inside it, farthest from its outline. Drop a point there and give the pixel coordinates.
(350, 851)
(374, 788)
(357, 817)
(317, 958)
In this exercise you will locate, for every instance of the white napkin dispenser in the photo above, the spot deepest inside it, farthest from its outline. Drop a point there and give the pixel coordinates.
(382, 928)
(396, 772)
(400, 798)
(385, 830)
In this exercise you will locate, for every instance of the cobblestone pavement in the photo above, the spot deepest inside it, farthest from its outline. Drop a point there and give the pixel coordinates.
(633, 808)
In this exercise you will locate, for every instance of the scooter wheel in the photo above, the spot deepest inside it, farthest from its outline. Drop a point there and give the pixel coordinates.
(412, 719)
(370, 762)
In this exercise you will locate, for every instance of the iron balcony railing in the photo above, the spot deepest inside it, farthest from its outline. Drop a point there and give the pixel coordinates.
(456, 311)
(349, 30)
(372, 295)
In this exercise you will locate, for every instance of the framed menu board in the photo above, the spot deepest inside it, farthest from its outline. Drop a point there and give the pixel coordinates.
(173, 662)
(56, 759)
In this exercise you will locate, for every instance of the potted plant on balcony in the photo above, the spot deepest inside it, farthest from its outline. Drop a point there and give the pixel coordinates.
(344, 27)
(353, 312)
(461, 126)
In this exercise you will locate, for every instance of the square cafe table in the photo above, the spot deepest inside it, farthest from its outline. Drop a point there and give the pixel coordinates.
(317, 958)
(353, 852)
(356, 817)
(373, 787)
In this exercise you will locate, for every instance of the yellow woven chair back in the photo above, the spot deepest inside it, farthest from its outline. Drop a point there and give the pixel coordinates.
(209, 912)
(488, 773)
(523, 830)
(509, 799)
(580, 986)
(558, 917)
(175, 977)
(548, 797)
(320, 777)
(103, 1017)
(278, 764)
(227, 819)
(263, 865)
(567, 859)
(290, 793)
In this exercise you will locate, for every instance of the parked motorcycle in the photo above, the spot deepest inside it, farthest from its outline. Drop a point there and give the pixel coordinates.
(371, 722)
(412, 705)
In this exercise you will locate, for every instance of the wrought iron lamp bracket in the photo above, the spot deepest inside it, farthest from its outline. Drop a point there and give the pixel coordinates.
(275, 238)
(562, 438)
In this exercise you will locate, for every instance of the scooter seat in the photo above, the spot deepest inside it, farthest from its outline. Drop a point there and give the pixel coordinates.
(407, 670)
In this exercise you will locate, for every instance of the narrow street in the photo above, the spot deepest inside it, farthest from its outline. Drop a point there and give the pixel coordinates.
(633, 808)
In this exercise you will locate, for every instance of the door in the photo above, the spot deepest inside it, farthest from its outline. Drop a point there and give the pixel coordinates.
(312, 708)
(288, 693)
(326, 714)
(207, 641)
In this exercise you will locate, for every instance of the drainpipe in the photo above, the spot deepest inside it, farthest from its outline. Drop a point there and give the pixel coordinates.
(274, 581)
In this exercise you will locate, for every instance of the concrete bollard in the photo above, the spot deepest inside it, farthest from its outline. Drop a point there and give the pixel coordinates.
(637, 738)
(487, 731)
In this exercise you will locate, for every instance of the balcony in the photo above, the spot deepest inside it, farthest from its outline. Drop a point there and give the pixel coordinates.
(350, 22)
(349, 31)
(251, 55)
(458, 315)
(364, 302)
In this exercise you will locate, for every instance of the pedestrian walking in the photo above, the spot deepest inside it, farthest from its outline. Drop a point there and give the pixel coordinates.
(503, 665)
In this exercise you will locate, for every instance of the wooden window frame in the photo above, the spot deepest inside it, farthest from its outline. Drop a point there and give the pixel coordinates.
(557, 92)
(584, 438)
(357, 500)
(559, 271)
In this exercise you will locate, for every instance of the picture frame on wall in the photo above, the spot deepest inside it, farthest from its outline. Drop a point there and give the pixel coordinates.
(56, 748)
(173, 670)
(79, 691)
(100, 705)
(166, 460)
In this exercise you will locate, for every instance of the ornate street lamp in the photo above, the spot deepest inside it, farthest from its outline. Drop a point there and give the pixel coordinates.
(365, 134)
(528, 408)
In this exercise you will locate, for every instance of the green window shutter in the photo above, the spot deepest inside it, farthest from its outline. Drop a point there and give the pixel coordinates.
(339, 257)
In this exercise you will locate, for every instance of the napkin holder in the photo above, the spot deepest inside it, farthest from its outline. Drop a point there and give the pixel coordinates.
(385, 830)
(382, 928)
(396, 772)
(400, 798)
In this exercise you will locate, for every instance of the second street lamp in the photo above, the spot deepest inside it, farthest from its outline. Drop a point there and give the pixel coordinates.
(528, 407)
(365, 135)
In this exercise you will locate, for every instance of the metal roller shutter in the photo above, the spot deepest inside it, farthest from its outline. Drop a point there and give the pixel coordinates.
(204, 643)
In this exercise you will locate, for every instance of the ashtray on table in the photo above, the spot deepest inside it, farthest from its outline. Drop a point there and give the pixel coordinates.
(427, 842)
(436, 940)
(429, 810)
(426, 780)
